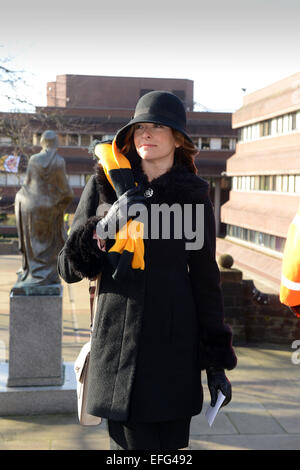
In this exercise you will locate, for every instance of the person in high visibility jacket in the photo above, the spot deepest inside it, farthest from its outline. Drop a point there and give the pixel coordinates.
(290, 274)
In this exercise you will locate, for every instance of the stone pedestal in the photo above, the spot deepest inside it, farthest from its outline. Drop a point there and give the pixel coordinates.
(35, 337)
(21, 401)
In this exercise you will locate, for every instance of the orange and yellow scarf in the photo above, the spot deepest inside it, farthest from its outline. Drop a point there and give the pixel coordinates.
(128, 249)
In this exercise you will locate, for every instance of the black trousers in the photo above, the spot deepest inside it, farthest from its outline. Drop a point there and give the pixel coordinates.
(168, 435)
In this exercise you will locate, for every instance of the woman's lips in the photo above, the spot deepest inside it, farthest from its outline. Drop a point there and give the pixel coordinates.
(147, 145)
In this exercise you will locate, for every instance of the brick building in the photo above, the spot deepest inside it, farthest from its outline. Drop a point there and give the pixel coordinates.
(265, 174)
(81, 108)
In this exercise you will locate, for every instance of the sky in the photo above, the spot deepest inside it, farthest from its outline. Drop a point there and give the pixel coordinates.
(222, 45)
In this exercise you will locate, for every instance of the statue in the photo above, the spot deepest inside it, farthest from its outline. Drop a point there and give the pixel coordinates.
(39, 207)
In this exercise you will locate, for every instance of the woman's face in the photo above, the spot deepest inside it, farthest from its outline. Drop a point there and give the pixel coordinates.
(154, 141)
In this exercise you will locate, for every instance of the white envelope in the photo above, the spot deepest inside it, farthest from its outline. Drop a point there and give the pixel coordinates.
(212, 411)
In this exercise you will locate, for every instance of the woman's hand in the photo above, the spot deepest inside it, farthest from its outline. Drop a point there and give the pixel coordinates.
(217, 380)
(117, 216)
(101, 243)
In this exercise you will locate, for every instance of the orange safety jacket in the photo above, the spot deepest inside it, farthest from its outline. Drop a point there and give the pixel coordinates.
(290, 274)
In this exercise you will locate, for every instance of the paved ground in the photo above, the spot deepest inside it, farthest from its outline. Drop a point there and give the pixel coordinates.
(264, 413)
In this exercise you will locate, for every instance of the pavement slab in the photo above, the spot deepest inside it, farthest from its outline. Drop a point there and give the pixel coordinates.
(264, 413)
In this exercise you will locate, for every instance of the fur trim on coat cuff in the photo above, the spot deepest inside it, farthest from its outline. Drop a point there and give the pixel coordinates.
(83, 252)
(216, 349)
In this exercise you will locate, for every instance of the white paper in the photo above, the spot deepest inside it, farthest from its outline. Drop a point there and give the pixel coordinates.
(212, 411)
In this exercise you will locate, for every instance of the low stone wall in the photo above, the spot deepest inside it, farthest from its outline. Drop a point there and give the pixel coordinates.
(8, 231)
(9, 248)
(254, 316)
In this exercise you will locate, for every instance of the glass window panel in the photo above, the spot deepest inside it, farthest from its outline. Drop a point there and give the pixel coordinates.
(252, 236)
(273, 186)
(5, 140)
(36, 139)
(267, 183)
(62, 140)
(298, 121)
(247, 183)
(215, 143)
(285, 180)
(73, 140)
(272, 242)
(97, 137)
(225, 143)
(279, 244)
(297, 183)
(279, 125)
(74, 180)
(261, 182)
(291, 184)
(278, 183)
(85, 140)
(286, 123)
(2, 179)
(12, 180)
(205, 143)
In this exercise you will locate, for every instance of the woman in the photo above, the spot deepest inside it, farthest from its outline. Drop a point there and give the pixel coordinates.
(158, 326)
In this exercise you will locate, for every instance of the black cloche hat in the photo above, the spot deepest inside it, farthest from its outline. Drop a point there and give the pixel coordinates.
(159, 107)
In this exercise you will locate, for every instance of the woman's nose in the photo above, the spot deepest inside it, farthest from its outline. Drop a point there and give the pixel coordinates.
(146, 132)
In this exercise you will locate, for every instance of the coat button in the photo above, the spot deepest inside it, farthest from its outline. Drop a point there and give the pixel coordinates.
(148, 192)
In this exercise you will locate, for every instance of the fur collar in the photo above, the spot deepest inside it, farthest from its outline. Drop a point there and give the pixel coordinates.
(176, 185)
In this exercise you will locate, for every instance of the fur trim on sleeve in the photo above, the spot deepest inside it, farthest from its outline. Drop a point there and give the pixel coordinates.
(83, 252)
(216, 348)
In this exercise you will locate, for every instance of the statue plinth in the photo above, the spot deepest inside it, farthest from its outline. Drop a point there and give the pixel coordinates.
(35, 290)
(35, 340)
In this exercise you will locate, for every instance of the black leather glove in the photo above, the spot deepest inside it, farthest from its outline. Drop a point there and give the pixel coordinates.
(217, 380)
(117, 216)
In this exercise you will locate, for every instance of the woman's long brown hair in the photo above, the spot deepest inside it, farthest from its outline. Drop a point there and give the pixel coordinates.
(184, 155)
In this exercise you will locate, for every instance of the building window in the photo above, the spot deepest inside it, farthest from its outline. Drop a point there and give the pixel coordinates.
(85, 140)
(73, 140)
(277, 183)
(225, 145)
(265, 240)
(293, 121)
(5, 140)
(108, 137)
(265, 128)
(13, 180)
(205, 143)
(97, 137)
(36, 139)
(285, 183)
(283, 124)
(215, 143)
(291, 184)
(75, 180)
(2, 179)
(62, 140)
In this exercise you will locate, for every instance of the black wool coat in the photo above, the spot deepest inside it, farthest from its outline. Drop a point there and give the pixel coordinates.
(152, 334)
